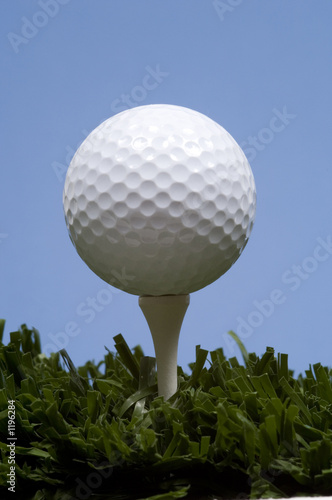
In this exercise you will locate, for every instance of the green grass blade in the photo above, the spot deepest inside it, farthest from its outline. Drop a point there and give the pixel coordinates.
(2, 329)
(240, 345)
(296, 400)
(143, 393)
(126, 356)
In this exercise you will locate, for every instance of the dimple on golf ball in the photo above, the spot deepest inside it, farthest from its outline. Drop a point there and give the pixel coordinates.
(159, 200)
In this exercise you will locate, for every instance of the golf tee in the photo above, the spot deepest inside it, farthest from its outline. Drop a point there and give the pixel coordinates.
(164, 315)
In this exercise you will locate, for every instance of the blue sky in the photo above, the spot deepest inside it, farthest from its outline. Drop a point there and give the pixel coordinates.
(260, 69)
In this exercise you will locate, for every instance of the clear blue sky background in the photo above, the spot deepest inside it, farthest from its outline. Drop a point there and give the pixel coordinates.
(262, 69)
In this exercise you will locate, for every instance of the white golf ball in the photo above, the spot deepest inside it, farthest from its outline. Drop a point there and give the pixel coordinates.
(159, 200)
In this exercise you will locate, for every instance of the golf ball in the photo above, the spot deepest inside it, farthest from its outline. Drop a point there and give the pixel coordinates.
(159, 200)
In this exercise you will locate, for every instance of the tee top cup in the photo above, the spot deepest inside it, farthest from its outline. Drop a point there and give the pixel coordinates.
(159, 201)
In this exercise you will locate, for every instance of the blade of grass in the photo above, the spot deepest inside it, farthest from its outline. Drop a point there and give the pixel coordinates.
(296, 399)
(127, 356)
(201, 356)
(2, 328)
(143, 393)
(240, 345)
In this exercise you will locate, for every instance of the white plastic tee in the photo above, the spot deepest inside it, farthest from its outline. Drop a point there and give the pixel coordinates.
(165, 315)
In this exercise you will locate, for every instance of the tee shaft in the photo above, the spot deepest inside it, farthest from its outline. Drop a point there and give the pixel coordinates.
(164, 315)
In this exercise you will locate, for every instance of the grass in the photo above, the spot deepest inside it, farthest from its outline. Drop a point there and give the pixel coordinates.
(232, 430)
